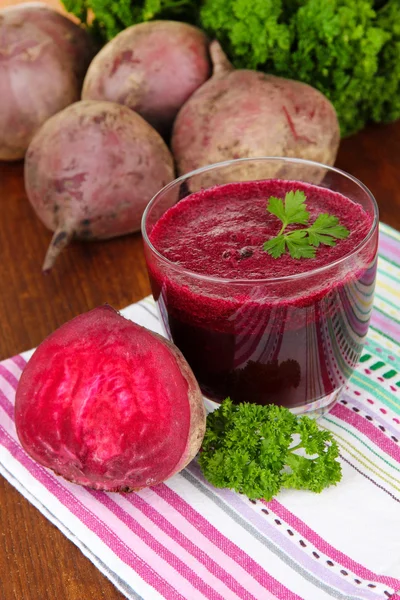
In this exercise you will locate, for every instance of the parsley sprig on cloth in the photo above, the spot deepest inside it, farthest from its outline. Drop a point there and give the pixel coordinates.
(257, 450)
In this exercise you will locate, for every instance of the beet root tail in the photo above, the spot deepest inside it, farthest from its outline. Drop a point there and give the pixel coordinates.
(61, 238)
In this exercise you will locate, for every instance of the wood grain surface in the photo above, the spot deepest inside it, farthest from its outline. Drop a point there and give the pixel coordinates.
(36, 561)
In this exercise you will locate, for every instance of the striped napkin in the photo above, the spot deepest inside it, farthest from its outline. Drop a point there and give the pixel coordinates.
(185, 540)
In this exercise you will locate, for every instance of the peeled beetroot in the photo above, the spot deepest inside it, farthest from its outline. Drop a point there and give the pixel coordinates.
(90, 171)
(152, 67)
(109, 405)
(43, 59)
(247, 114)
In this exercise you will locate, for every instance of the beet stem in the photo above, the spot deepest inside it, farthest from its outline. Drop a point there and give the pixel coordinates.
(221, 64)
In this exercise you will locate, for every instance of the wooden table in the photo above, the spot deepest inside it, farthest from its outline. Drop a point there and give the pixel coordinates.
(36, 561)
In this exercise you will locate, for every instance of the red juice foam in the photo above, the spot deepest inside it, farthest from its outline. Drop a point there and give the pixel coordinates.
(256, 328)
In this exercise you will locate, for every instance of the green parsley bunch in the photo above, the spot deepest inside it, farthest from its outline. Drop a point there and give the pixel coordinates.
(251, 449)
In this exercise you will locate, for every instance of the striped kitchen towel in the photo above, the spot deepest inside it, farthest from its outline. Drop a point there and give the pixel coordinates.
(185, 540)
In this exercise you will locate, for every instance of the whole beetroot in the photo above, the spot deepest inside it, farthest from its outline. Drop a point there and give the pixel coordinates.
(90, 171)
(247, 114)
(43, 59)
(153, 68)
(75, 43)
(109, 405)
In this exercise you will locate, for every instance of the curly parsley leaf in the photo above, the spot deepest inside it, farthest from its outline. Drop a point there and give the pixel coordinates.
(251, 449)
(301, 243)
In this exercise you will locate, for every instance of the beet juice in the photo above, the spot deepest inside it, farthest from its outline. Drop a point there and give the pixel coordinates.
(253, 327)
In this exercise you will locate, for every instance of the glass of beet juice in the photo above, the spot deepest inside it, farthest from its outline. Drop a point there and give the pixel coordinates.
(253, 327)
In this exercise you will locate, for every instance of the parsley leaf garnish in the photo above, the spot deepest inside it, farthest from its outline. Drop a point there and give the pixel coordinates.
(301, 243)
(293, 211)
(250, 448)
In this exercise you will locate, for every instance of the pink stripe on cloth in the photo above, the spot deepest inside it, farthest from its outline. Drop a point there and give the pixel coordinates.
(6, 405)
(227, 546)
(12, 367)
(215, 569)
(8, 376)
(371, 410)
(19, 361)
(155, 545)
(385, 324)
(389, 248)
(104, 533)
(343, 559)
(374, 434)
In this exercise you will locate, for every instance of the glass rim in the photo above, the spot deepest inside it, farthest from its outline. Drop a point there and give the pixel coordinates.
(258, 281)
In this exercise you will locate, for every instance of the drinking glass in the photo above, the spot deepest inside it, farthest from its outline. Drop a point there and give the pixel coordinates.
(289, 340)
